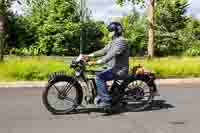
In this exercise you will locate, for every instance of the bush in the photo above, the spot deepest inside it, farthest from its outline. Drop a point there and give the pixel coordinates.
(194, 50)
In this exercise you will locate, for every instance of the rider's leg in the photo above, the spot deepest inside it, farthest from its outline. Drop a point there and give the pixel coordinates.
(102, 89)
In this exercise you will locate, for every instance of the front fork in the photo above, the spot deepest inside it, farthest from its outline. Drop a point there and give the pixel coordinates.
(89, 89)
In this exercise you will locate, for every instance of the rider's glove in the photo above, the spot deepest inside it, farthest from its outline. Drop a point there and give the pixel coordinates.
(99, 62)
(91, 55)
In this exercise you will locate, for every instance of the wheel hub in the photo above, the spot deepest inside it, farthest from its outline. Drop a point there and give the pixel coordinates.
(136, 93)
(61, 96)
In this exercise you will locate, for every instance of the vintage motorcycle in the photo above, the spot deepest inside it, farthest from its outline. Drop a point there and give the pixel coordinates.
(64, 94)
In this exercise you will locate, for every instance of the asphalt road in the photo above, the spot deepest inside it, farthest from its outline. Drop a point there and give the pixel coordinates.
(176, 111)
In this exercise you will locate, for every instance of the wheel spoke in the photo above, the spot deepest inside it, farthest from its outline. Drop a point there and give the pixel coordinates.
(138, 93)
(142, 96)
(62, 96)
(137, 97)
(68, 83)
(57, 89)
(55, 102)
(71, 100)
(69, 88)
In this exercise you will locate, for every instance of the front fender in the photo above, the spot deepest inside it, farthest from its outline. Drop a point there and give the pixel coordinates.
(57, 76)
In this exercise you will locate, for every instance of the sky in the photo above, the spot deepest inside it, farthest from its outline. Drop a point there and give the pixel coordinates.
(105, 9)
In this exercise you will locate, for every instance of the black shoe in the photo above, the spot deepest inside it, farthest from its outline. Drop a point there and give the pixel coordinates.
(105, 105)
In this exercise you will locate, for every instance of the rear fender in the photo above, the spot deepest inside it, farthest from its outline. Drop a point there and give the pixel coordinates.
(148, 78)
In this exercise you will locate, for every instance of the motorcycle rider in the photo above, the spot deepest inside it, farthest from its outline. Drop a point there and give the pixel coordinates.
(116, 56)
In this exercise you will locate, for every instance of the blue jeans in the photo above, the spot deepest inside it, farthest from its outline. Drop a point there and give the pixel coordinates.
(102, 89)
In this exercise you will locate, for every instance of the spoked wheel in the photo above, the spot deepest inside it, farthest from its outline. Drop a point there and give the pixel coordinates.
(138, 95)
(61, 97)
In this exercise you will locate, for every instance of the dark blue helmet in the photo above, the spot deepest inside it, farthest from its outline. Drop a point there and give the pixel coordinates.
(116, 27)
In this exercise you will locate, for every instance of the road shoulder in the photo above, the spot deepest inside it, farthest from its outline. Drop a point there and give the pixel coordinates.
(29, 84)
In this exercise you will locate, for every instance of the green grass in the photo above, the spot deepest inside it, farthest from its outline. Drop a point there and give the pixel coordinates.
(172, 67)
(31, 68)
(38, 68)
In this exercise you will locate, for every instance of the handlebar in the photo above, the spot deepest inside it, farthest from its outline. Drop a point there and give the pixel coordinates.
(81, 62)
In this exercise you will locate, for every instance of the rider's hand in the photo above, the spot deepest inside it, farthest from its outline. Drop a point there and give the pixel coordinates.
(92, 63)
(91, 55)
(140, 70)
(85, 58)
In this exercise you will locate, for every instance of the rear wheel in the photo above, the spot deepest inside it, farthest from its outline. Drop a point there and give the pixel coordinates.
(138, 95)
(62, 95)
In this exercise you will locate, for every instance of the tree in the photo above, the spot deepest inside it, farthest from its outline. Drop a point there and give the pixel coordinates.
(136, 32)
(137, 2)
(2, 27)
(53, 28)
(170, 19)
(151, 22)
(51, 25)
(4, 11)
(190, 37)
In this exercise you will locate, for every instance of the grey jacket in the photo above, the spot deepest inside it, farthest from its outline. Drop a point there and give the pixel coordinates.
(116, 56)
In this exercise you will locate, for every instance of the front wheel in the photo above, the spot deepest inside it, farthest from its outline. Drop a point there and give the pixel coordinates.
(62, 95)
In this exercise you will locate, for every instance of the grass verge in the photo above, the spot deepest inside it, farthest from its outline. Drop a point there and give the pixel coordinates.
(172, 67)
(38, 68)
(31, 68)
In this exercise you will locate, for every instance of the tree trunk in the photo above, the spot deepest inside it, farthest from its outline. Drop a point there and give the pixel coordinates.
(2, 37)
(151, 21)
(2, 27)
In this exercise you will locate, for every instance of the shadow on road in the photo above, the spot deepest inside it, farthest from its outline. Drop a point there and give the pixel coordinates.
(156, 105)
(159, 104)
